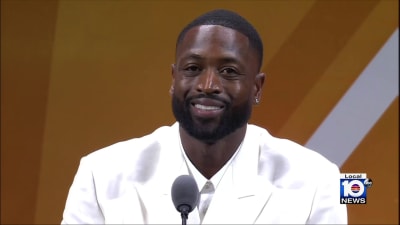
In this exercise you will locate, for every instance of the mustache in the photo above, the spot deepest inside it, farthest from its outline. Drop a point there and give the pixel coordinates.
(214, 97)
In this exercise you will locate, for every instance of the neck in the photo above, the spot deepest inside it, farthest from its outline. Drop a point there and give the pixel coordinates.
(209, 158)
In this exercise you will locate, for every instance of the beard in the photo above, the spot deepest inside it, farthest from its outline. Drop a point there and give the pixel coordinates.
(207, 130)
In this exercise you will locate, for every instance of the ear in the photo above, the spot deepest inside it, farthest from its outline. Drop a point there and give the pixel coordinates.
(173, 73)
(258, 85)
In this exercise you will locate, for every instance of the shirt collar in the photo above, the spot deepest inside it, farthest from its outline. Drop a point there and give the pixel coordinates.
(199, 178)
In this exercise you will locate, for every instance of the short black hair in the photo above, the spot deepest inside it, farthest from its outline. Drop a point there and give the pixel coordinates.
(231, 20)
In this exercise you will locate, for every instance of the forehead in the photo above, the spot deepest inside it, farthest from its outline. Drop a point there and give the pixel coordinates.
(211, 38)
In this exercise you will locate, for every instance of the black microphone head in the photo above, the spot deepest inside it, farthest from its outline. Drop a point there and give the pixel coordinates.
(185, 192)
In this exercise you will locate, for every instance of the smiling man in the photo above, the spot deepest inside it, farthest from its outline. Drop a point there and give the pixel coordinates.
(245, 175)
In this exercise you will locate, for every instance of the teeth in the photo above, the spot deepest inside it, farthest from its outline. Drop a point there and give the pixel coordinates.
(204, 107)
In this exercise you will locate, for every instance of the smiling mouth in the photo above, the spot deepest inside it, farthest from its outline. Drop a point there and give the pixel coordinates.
(207, 107)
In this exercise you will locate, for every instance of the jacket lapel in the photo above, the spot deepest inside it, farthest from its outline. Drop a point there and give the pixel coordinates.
(149, 202)
(158, 203)
(240, 198)
(156, 194)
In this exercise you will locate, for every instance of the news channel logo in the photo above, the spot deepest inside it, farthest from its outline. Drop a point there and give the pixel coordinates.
(353, 188)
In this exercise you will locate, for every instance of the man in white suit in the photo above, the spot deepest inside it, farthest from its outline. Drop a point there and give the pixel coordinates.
(245, 175)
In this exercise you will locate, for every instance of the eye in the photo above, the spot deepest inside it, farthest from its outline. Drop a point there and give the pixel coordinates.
(192, 68)
(228, 71)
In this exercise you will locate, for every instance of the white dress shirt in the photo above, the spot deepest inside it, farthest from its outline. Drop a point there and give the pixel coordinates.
(207, 187)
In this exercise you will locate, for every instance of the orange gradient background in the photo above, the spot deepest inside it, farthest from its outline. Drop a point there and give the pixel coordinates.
(79, 75)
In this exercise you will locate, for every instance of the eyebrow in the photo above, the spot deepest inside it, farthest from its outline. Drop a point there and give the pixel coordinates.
(226, 59)
(194, 56)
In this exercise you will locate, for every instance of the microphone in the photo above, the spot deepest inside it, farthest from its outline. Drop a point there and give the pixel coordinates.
(185, 195)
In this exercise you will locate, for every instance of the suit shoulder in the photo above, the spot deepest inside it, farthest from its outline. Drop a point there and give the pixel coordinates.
(129, 151)
(288, 157)
(122, 164)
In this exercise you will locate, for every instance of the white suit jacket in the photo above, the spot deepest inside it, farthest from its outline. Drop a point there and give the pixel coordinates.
(274, 181)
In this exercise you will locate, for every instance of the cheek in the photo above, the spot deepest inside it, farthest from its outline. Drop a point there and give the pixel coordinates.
(239, 91)
(182, 87)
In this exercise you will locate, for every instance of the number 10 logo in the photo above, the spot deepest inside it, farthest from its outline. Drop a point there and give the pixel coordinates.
(353, 188)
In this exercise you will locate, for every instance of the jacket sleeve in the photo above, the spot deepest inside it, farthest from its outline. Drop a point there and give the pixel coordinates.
(326, 208)
(82, 206)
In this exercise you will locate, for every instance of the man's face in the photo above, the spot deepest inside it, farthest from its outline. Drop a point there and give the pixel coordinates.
(215, 82)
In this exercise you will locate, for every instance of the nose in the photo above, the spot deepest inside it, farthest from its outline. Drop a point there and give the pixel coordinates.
(209, 82)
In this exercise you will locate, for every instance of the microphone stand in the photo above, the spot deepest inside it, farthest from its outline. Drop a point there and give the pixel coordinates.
(184, 209)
